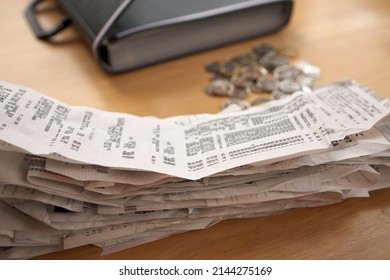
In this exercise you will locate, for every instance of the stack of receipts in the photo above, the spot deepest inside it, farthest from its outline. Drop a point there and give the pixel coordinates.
(71, 176)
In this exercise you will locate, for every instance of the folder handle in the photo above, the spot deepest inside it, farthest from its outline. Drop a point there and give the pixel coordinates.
(31, 14)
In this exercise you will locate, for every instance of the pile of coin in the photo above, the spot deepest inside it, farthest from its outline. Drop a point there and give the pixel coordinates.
(265, 69)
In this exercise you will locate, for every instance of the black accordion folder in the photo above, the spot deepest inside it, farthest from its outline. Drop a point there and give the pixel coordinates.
(127, 34)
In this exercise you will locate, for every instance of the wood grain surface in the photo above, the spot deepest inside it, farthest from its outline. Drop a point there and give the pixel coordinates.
(349, 38)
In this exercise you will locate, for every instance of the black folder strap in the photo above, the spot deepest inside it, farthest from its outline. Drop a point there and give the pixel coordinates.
(31, 14)
(106, 27)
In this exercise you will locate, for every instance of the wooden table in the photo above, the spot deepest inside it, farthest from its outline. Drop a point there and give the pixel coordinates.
(344, 38)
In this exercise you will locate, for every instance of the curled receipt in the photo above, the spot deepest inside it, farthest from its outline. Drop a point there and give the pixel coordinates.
(193, 146)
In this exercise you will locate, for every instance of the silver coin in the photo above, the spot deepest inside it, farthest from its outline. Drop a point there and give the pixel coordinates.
(264, 60)
(263, 49)
(229, 68)
(277, 95)
(306, 89)
(277, 60)
(305, 81)
(251, 72)
(265, 84)
(241, 92)
(262, 70)
(213, 67)
(286, 72)
(289, 86)
(246, 59)
(272, 60)
(220, 87)
(308, 69)
(239, 80)
(240, 103)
